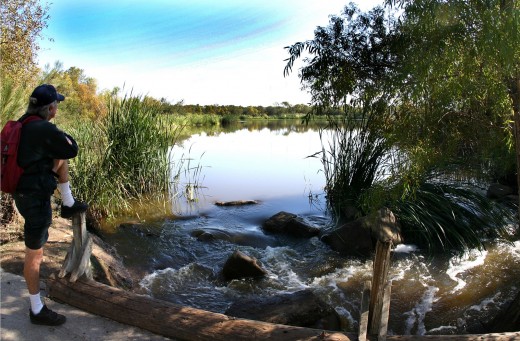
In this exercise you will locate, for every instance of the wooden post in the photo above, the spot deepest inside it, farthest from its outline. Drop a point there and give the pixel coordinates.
(379, 280)
(77, 261)
(385, 312)
(363, 316)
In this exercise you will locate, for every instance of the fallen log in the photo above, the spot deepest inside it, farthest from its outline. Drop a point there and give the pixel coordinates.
(174, 321)
(185, 323)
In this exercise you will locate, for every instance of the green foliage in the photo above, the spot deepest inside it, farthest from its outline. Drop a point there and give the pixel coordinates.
(124, 156)
(21, 24)
(13, 100)
(437, 90)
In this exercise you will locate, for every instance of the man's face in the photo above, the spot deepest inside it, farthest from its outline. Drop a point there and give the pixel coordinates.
(53, 109)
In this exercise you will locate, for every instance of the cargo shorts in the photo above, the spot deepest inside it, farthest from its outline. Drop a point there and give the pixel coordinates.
(37, 212)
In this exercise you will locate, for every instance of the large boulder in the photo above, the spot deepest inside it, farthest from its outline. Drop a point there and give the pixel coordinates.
(358, 237)
(240, 265)
(353, 239)
(302, 309)
(288, 223)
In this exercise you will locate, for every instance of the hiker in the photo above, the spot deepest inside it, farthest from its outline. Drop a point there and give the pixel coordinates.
(43, 153)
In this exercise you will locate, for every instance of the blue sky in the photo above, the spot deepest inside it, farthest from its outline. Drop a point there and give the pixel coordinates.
(200, 51)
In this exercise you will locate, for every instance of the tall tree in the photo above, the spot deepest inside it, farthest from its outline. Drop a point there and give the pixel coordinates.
(22, 22)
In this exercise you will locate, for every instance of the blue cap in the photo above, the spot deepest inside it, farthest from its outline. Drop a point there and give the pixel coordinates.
(45, 94)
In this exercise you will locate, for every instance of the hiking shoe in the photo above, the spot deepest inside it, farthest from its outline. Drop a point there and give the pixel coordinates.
(47, 317)
(78, 207)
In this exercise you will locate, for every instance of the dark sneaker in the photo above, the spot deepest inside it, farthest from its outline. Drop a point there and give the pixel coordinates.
(78, 207)
(47, 317)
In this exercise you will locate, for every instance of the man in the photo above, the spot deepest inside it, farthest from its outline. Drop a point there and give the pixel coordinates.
(43, 153)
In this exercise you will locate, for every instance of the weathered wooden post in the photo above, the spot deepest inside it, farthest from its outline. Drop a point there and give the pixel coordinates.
(77, 261)
(387, 232)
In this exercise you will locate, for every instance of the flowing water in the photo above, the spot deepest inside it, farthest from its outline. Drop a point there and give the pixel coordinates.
(441, 295)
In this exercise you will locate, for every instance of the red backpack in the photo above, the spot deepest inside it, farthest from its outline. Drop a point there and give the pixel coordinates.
(10, 139)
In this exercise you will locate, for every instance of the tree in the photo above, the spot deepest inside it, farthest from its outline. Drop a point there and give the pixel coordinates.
(462, 65)
(22, 22)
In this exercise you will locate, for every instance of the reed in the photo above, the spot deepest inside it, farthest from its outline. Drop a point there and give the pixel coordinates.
(123, 157)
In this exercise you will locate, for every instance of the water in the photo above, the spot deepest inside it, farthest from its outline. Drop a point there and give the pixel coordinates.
(444, 295)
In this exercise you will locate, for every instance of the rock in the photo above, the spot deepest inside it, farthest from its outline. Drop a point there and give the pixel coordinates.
(498, 191)
(249, 238)
(288, 223)
(353, 238)
(302, 308)
(240, 265)
(236, 203)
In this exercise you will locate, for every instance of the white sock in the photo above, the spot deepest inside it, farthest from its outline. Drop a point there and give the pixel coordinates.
(66, 194)
(36, 303)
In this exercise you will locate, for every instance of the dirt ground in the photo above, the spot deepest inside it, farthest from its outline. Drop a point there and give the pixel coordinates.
(106, 264)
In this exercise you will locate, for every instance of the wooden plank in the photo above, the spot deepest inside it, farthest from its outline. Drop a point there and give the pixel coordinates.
(363, 316)
(385, 312)
(170, 320)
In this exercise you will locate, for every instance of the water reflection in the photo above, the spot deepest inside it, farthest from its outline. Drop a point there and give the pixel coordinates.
(250, 163)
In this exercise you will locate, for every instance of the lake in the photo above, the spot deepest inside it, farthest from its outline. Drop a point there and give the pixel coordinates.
(268, 162)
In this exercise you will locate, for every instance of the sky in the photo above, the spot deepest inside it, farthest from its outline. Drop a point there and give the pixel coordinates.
(224, 52)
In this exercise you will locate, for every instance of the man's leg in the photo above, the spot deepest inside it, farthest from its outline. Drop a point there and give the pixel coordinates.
(70, 205)
(31, 273)
(61, 168)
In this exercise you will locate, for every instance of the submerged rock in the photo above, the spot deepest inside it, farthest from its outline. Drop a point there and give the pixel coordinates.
(239, 265)
(302, 309)
(247, 238)
(288, 223)
(498, 191)
(236, 203)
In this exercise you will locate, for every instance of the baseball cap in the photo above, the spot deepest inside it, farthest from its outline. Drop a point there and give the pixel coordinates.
(45, 94)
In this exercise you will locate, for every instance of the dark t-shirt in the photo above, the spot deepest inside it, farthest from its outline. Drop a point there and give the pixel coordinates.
(41, 142)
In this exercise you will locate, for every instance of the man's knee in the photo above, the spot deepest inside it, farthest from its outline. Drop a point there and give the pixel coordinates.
(33, 258)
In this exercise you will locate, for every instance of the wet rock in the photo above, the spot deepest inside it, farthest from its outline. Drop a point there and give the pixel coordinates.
(236, 203)
(249, 238)
(498, 191)
(302, 309)
(288, 223)
(240, 265)
(353, 238)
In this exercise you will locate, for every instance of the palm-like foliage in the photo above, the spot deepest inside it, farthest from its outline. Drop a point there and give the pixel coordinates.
(442, 217)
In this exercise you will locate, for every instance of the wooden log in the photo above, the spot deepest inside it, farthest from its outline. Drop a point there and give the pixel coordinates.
(77, 260)
(379, 280)
(171, 320)
(363, 316)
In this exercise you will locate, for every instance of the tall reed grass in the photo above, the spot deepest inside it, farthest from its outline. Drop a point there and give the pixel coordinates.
(123, 157)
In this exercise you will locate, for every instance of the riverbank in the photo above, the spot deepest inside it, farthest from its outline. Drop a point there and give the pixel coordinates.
(106, 264)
